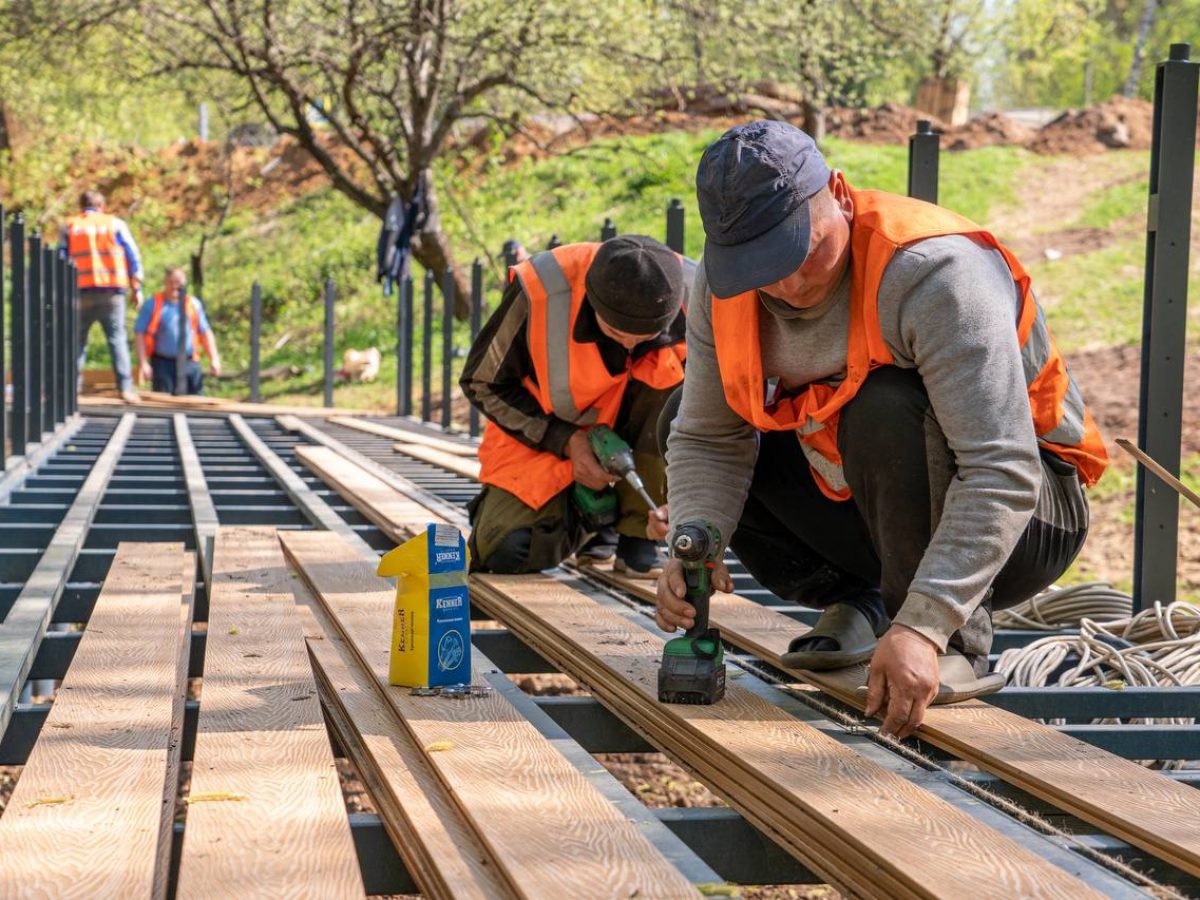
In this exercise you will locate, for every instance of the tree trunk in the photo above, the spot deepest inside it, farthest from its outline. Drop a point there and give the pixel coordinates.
(431, 248)
(5, 131)
(1145, 26)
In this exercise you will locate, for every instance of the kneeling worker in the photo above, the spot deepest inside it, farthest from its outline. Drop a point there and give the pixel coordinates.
(586, 334)
(875, 419)
(157, 332)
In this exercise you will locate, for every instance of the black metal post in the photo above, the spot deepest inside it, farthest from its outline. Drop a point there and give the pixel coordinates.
(554, 242)
(57, 381)
(427, 351)
(255, 341)
(476, 324)
(1164, 324)
(20, 339)
(329, 324)
(608, 230)
(675, 225)
(3, 428)
(923, 163)
(48, 289)
(181, 354)
(509, 252)
(73, 341)
(404, 356)
(34, 339)
(448, 294)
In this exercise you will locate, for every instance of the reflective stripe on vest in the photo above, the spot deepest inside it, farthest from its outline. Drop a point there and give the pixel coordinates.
(193, 314)
(882, 224)
(99, 257)
(570, 379)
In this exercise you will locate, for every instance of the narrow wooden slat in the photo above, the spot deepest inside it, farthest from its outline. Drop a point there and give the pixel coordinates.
(204, 513)
(265, 812)
(439, 849)
(92, 812)
(22, 630)
(547, 828)
(404, 436)
(872, 824)
(210, 405)
(468, 468)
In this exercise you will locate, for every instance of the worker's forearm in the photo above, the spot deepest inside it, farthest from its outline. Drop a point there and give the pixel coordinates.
(210, 347)
(140, 344)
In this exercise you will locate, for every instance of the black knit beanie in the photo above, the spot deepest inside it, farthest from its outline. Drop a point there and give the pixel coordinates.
(635, 284)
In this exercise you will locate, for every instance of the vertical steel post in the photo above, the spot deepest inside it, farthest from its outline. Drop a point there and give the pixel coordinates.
(20, 339)
(553, 242)
(48, 289)
(181, 354)
(608, 229)
(404, 336)
(56, 343)
(448, 295)
(476, 324)
(3, 293)
(255, 342)
(1164, 324)
(73, 340)
(329, 325)
(427, 350)
(675, 225)
(923, 163)
(509, 252)
(34, 338)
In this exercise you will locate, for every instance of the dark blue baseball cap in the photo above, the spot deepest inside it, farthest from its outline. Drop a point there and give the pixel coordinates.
(753, 186)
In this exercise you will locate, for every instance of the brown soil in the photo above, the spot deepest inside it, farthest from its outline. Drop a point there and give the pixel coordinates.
(1117, 123)
(986, 131)
(891, 123)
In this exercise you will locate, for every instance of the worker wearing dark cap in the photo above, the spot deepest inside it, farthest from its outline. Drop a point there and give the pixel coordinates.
(876, 420)
(586, 334)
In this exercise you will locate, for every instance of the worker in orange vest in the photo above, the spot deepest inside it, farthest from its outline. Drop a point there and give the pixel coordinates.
(108, 265)
(586, 334)
(875, 419)
(157, 331)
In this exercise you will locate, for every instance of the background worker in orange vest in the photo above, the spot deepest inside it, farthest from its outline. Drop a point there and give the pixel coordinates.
(157, 333)
(586, 334)
(875, 418)
(108, 265)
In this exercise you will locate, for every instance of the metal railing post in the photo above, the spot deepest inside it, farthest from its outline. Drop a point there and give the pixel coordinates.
(476, 324)
(34, 338)
(608, 230)
(48, 289)
(923, 163)
(255, 342)
(181, 354)
(427, 350)
(3, 294)
(20, 339)
(509, 252)
(329, 326)
(553, 242)
(1164, 325)
(404, 339)
(448, 295)
(73, 339)
(675, 225)
(57, 381)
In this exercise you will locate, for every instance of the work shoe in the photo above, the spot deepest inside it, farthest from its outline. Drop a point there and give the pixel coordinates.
(842, 637)
(131, 397)
(639, 557)
(958, 681)
(600, 547)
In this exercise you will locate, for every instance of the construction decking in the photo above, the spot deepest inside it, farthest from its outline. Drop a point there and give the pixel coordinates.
(497, 796)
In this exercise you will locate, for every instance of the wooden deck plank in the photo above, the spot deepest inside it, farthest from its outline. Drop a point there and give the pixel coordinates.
(404, 436)
(203, 511)
(23, 628)
(861, 826)
(265, 811)
(469, 468)
(547, 828)
(92, 812)
(219, 406)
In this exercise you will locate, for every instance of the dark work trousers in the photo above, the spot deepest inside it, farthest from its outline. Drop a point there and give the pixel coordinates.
(508, 535)
(163, 370)
(814, 551)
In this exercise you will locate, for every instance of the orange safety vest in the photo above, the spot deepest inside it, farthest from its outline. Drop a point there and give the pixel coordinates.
(883, 223)
(193, 314)
(570, 379)
(99, 257)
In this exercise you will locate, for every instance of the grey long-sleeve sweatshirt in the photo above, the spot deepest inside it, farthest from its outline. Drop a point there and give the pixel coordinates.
(947, 307)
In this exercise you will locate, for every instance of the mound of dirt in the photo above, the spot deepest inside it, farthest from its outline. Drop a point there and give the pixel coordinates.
(1118, 123)
(891, 123)
(987, 131)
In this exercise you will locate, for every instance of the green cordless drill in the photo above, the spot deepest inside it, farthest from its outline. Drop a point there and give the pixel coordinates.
(693, 666)
(599, 508)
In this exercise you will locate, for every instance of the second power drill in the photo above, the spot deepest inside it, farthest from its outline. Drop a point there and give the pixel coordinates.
(599, 508)
(693, 666)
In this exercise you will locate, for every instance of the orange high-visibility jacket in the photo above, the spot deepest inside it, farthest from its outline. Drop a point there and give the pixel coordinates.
(883, 223)
(99, 257)
(570, 378)
(193, 314)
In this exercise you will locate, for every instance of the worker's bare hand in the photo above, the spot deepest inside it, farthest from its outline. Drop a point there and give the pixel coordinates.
(672, 611)
(586, 469)
(214, 369)
(144, 373)
(658, 526)
(903, 680)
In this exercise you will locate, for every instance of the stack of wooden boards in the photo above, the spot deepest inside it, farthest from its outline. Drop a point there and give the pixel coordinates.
(1121, 797)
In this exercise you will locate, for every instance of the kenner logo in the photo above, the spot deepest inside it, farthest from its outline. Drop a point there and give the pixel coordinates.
(449, 556)
(449, 602)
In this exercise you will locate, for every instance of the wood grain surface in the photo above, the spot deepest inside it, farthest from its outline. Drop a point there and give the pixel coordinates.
(549, 831)
(265, 812)
(91, 814)
(405, 436)
(449, 461)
